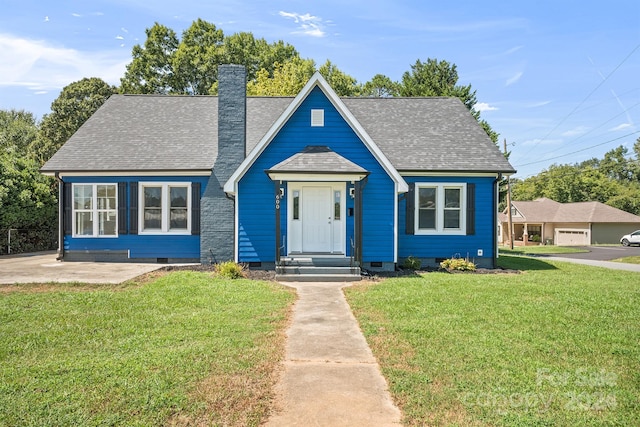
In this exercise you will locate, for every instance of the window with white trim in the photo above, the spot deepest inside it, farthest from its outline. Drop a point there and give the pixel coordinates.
(95, 210)
(165, 207)
(317, 118)
(440, 208)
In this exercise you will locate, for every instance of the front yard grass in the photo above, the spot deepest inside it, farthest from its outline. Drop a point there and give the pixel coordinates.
(628, 260)
(558, 344)
(182, 349)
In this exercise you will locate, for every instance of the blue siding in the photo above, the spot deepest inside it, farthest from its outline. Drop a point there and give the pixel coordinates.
(447, 246)
(140, 246)
(256, 231)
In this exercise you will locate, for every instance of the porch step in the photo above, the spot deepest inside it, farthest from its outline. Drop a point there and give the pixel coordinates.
(317, 270)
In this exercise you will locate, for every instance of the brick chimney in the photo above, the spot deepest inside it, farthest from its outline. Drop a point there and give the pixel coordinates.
(217, 235)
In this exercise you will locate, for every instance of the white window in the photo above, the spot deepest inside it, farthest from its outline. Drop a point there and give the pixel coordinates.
(317, 118)
(440, 208)
(165, 208)
(95, 210)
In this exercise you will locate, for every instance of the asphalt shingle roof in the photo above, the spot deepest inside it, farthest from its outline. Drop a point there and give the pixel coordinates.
(179, 133)
(547, 210)
(317, 159)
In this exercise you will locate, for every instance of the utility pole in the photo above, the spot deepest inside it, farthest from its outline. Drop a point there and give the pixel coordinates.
(510, 222)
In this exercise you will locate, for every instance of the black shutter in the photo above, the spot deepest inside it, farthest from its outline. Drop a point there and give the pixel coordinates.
(122, 208)
(67, 203)
(195, 208)
(471, 209)
(411, 209)
(133, 208)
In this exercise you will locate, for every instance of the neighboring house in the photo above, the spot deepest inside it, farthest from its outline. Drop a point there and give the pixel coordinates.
(566, 224)
(255, 179)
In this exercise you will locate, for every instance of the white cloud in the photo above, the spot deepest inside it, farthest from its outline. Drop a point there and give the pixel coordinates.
(620, 127)
(483, 106)
(580, 130)
(46, 19)
(76, 15)
(514, 79)
(40, 66)
(308, 24)
(119, 38)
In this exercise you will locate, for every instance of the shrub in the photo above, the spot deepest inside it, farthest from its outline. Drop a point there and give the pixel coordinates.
(230, 269)
(412, 263)
(458, 264)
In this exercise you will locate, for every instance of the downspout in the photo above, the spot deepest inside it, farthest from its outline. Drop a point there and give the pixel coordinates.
(496, 193)
(61, 201)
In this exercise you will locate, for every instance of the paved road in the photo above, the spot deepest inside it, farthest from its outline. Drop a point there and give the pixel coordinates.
(603, 253)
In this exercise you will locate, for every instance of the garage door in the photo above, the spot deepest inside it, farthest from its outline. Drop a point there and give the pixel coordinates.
(572, 237)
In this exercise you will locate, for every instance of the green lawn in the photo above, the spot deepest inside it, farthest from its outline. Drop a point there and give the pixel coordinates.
(629, 260)
(558, 344)
(180, 349)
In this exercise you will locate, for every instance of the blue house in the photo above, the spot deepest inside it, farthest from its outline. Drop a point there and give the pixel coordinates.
(267, 180)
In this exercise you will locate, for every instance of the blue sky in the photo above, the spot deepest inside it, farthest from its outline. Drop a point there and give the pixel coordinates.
(559, 79)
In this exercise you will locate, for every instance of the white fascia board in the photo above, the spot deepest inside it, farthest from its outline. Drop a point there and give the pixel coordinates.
(315, 177)
(229, 186)
(364, 136)
(316, 80)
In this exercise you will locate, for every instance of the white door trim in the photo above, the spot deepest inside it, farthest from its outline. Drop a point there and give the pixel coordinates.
(295, 226)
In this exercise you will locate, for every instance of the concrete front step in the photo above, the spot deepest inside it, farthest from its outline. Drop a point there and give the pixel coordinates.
(318, 277)
(317, 270)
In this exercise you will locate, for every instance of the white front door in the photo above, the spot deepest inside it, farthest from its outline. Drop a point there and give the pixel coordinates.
(316, 213)
(316, 219)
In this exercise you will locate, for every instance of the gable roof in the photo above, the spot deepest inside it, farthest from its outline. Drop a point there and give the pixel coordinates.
(318, 159)
(161, 133)
(316, 81)
(545, 210)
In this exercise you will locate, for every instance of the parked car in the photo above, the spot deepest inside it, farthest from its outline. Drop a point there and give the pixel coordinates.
(631, 239)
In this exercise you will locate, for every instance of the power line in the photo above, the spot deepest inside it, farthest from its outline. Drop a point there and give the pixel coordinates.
(595, 128)
(585, 99)
(578, 151)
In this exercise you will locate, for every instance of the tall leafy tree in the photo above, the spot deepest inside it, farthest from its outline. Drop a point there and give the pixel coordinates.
(342, 83)
(195, 61)
(287, 79)
(151, 69)
(75, 104)
(27, 198)
(18, 131)
(381, 86)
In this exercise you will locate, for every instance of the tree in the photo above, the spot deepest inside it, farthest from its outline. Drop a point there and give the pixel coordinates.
(381, 86)
(75, 104)
(195, 61)
(151, 70)
(287, 80)
(27, 198)
(168, 65)
(342, 83)
(18, 131)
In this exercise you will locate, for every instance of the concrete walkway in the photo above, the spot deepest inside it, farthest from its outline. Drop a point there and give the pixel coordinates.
(605, 264)
(42, 267)
(330, 376)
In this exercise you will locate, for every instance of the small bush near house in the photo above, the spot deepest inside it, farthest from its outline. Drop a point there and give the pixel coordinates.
(230, 270)
(458, 264)
(412, 263)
